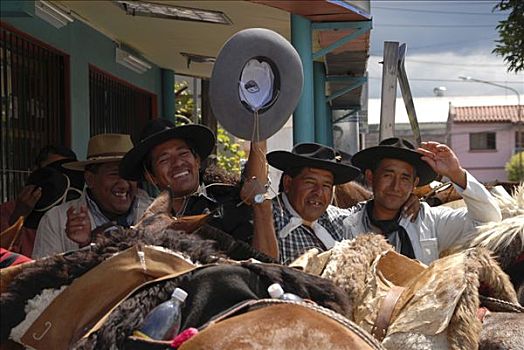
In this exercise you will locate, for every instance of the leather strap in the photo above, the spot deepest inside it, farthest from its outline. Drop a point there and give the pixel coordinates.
(385, 311)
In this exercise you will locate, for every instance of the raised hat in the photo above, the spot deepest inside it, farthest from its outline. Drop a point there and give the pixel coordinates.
(103, 148)
(256, 70)
(314, 155)
(397, 148)
(157, 132)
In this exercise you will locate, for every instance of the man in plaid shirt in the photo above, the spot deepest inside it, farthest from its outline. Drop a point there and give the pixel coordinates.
(303, 216)
(302, 212)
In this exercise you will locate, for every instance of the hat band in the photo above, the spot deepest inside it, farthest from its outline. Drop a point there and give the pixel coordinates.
(105, 156)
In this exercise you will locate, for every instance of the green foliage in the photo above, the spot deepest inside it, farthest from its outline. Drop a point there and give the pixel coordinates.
(511, 32)
(184, 100)
(515, 173)
(229, 153)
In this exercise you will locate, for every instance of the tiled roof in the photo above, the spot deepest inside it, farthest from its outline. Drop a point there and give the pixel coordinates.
(486, 114)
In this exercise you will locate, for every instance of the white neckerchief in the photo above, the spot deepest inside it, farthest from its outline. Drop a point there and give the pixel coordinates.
(297, 221)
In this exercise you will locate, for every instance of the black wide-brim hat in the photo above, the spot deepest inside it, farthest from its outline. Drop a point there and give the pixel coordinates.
(396, 148)
(158, 131)
(54, 186)
(272, 50)
(314, 155)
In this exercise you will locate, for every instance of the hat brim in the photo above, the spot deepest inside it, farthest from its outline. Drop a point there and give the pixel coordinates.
(284, 161)
(201, 137)
(53, 185)
(81, 165)
(367, 158)
(227, 107)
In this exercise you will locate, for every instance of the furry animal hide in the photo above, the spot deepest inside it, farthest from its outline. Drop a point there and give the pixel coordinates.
(130, 314)
(350, 194)
(502, 330)
(349, 264)
(59, 270)
(511, 205)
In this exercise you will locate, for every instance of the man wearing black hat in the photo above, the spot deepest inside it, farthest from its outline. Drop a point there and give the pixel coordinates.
(170, 158)
(302, 213)
(393, 169)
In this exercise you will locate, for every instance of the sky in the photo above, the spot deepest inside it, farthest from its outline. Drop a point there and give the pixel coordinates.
(445, 39)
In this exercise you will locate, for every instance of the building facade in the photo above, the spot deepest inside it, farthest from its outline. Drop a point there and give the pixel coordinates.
(485, 138)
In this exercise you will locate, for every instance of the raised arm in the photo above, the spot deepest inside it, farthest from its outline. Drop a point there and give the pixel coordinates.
(264, 237)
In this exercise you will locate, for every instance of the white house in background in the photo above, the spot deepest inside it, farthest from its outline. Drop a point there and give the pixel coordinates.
(485, 138)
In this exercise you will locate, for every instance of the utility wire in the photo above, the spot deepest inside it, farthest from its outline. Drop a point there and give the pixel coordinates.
(437, 11)
(451, 80)
(436, 25)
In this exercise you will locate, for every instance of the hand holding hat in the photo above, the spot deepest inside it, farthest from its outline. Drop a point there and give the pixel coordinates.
(443, 161)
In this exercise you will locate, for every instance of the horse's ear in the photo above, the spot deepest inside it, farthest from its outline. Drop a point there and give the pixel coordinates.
(162, 204)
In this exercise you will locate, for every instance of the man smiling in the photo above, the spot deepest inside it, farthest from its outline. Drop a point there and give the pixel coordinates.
(107, 198)
(303, 215)
(393, 169)
(170, 158)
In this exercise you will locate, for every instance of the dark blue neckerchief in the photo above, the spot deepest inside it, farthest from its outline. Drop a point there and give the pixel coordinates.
(389, 227)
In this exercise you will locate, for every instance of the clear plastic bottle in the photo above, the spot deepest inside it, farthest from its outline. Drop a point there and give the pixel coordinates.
(276, 292)
(163, 322)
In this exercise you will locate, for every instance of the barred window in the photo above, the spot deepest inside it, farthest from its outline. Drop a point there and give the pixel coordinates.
(34, 105)
(116, 106)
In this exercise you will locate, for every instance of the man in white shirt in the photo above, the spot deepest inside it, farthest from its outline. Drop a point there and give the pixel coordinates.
(107, 198)
(393, 169)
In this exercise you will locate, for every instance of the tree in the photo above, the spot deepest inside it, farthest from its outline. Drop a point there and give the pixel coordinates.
(511, 32)
(230, 154)
(513, 167)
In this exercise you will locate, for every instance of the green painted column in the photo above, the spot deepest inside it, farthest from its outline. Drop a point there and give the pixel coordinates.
(303, 117)
(168, 94)
(329, 125)
(321, 123)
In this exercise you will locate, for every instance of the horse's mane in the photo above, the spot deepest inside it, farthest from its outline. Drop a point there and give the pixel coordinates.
(510, 205)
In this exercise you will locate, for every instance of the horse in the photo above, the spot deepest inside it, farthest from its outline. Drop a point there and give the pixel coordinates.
(350, 194)
(51, 302)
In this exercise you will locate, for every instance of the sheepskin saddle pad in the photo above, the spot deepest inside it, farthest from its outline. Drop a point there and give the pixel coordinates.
(406, 304)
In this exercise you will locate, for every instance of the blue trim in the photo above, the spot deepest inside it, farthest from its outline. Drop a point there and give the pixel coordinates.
(18, 8)
(358, 82)
(365, 27)
(168, 94)
(344, 78)
(320, 103)
(329, 125)
(340, 25)
(303, 117)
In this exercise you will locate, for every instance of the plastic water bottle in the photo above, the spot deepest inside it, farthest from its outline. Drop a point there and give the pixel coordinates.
(163, 322)
(276, 292)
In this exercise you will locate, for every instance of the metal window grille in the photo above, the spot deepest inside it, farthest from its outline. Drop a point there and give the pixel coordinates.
(116, 106)
(33, 115)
